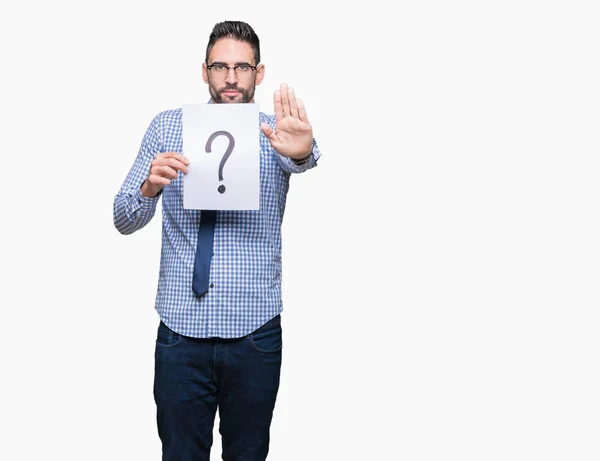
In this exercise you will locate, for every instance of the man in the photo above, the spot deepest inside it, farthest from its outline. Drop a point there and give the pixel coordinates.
(219, 339)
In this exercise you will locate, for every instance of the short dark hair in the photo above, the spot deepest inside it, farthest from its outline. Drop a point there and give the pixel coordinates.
(238, 30)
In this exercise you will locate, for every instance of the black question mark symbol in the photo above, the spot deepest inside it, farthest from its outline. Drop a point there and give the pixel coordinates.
(228, 152)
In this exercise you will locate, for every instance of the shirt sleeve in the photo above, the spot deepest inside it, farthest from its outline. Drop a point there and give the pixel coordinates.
(292, 167)
(131, 210)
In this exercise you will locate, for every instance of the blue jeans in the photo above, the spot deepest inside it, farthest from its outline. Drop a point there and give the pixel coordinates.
(193, 377)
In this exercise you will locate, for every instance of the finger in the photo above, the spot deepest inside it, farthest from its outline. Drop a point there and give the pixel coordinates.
(285, 100)
(301, 110)
(268, 131)
(177, 164)
(181, 158)
(166, 155)
(172, 162)
(164, 171)
(293, 105)
(176, 155)
(271, 135)
(277, 104)
(158, 180)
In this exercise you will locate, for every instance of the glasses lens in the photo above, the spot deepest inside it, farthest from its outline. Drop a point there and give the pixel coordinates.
(222, 71)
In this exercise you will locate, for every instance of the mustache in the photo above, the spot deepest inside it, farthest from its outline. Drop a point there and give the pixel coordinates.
(230, 87)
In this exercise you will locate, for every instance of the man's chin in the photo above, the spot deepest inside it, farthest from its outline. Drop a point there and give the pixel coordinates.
(238, 97)
(227, 100)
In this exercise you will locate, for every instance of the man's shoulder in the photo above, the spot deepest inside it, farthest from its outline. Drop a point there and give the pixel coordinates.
(169, 115)
(167, 122)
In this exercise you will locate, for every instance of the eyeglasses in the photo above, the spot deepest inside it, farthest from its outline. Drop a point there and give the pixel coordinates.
(240, 70)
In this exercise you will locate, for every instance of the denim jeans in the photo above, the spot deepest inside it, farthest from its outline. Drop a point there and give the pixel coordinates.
(194, 377)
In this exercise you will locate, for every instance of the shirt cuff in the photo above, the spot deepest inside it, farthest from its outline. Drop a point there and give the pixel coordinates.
(144, 203)
(302, 161)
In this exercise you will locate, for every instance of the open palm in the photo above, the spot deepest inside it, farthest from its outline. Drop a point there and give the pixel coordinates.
(293, 134)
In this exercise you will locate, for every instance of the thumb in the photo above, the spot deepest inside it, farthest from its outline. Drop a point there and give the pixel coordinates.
(268, 131)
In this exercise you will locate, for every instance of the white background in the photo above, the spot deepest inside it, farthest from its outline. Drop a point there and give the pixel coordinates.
(441, 263)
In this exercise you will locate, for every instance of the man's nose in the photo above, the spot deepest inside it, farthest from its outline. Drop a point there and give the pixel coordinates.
(231, 78)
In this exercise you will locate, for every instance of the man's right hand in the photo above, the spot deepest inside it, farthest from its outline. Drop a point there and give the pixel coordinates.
(163, 170)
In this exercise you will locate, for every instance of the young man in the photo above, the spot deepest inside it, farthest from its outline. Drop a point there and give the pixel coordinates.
(219, 338)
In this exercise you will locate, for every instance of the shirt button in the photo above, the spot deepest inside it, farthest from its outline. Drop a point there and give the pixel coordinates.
(212, 285)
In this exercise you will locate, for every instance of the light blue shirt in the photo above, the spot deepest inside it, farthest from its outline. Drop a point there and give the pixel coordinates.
(245, 271)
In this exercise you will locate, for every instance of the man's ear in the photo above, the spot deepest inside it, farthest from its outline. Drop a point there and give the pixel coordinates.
(204, 73)
(260, 74)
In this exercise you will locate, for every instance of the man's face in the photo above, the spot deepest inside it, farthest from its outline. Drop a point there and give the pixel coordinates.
(229, 85)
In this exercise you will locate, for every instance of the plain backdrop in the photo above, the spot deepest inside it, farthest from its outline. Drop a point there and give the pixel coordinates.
(440, 265)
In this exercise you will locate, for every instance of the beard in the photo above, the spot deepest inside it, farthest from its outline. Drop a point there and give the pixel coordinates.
(246, 94)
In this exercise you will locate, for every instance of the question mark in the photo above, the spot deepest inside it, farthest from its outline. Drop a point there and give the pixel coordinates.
(228, 152)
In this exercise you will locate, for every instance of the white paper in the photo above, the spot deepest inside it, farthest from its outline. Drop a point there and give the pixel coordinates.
(217, 181)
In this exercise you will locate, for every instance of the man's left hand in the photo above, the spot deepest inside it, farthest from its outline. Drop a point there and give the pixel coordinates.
(293, 133)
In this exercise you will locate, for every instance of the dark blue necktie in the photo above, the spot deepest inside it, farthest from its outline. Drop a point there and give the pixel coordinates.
(204, 251)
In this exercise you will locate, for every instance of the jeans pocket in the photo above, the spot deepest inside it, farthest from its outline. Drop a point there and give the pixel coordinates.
(268, 339)
(166, 337)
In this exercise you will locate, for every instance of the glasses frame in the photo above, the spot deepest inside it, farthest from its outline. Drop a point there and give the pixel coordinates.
(210, 66)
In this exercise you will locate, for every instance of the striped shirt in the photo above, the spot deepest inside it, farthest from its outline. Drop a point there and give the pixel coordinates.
(245, 271)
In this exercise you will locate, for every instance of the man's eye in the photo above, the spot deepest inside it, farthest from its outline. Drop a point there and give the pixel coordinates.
(243, 68)
(220, 67)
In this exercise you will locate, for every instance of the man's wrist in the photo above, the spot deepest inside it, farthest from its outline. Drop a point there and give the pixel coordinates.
(303, 160)
(149, 191)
